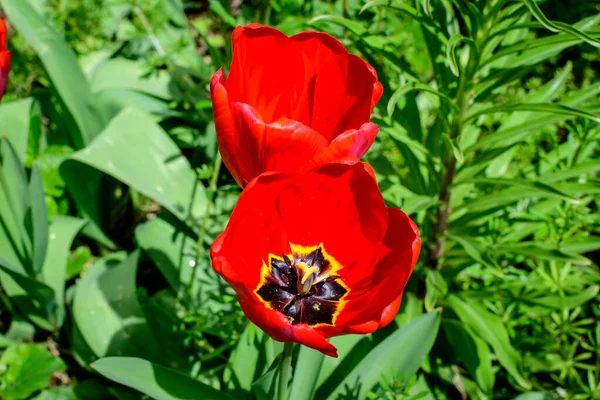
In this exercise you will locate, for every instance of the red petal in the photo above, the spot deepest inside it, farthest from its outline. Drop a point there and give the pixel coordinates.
(284, 145)
(276, 325)
(338, 205)
(353, 143)
(227, 134)
(264, 72)
(250, 147)
(394, 261)
(4, 70)
(254, 231)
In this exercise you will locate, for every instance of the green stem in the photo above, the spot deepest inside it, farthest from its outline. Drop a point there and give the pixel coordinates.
(286, 366)
(212, 191)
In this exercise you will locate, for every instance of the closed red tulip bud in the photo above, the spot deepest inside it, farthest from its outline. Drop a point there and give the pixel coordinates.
(291, 103)
(317, 255)
(4, 58)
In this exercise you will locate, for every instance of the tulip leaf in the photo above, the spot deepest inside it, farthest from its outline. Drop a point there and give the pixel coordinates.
(62, 67)
(54, 270)
(490, 328)
(107, 311)
(38, 217)
(16, 121)
(156, 381)
(138, 152)
(306, 373)
(401, 353)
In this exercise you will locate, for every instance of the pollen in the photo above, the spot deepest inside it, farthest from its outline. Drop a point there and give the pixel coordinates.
(316, 307)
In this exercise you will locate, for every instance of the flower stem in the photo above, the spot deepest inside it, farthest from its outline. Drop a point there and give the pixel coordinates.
(286, 366)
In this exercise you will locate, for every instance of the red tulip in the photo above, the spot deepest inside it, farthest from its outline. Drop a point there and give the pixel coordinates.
(290, 103)
(4, 58)
(317, 255)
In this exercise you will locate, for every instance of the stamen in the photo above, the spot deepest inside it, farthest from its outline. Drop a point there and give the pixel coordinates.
(308, 273)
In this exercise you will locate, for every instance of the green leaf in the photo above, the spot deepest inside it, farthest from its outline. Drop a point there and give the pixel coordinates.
(108, 313)
(473, 352)
(436, 288)
(567, 302)
(35, 299)
(536, 107)
(15, 117)
(217, 8)
(173, 250)
(27, 369)
(62, 68)
(15, 242)
(556, 26)
(542, 251)
(401, 353)
(249, 359)
(137, 152)
(453, 42)
(54, 271)
(155, 381)
(415, 86)
(490, 328)
(306, 374)
(267, 386)
(543, 190)
(39, 218)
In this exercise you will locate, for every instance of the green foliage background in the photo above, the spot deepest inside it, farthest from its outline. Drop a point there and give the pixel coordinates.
(111, 192)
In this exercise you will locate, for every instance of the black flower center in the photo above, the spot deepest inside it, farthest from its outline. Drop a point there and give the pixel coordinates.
(303, 286)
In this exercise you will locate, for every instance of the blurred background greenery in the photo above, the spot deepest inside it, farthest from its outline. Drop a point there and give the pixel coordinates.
(110, 197)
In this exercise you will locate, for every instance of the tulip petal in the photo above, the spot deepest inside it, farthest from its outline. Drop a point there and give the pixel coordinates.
(262, 72)
(353, 143)
(254, 231)
(276, 325)
(338, 205)
(394, 261)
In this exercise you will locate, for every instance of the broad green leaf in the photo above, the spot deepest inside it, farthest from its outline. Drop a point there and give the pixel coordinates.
(27, 368)
(122, 73)
(490, 328)
(267, 386)
(15, 242)
(217, 8)
(38, 217)
(172, 249)
(54, 270)
(401, 353)
(62, 68)
(107, 311)
(15, 117)
(306, 374)
(158, 382)
(249, 360)
(34, 298)
(137, 152)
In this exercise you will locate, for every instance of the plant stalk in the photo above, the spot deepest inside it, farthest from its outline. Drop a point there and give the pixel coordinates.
(286, 366)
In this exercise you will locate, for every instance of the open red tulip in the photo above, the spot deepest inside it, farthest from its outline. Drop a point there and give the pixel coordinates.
(290, 103)
(4, 58)
(318, 254)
